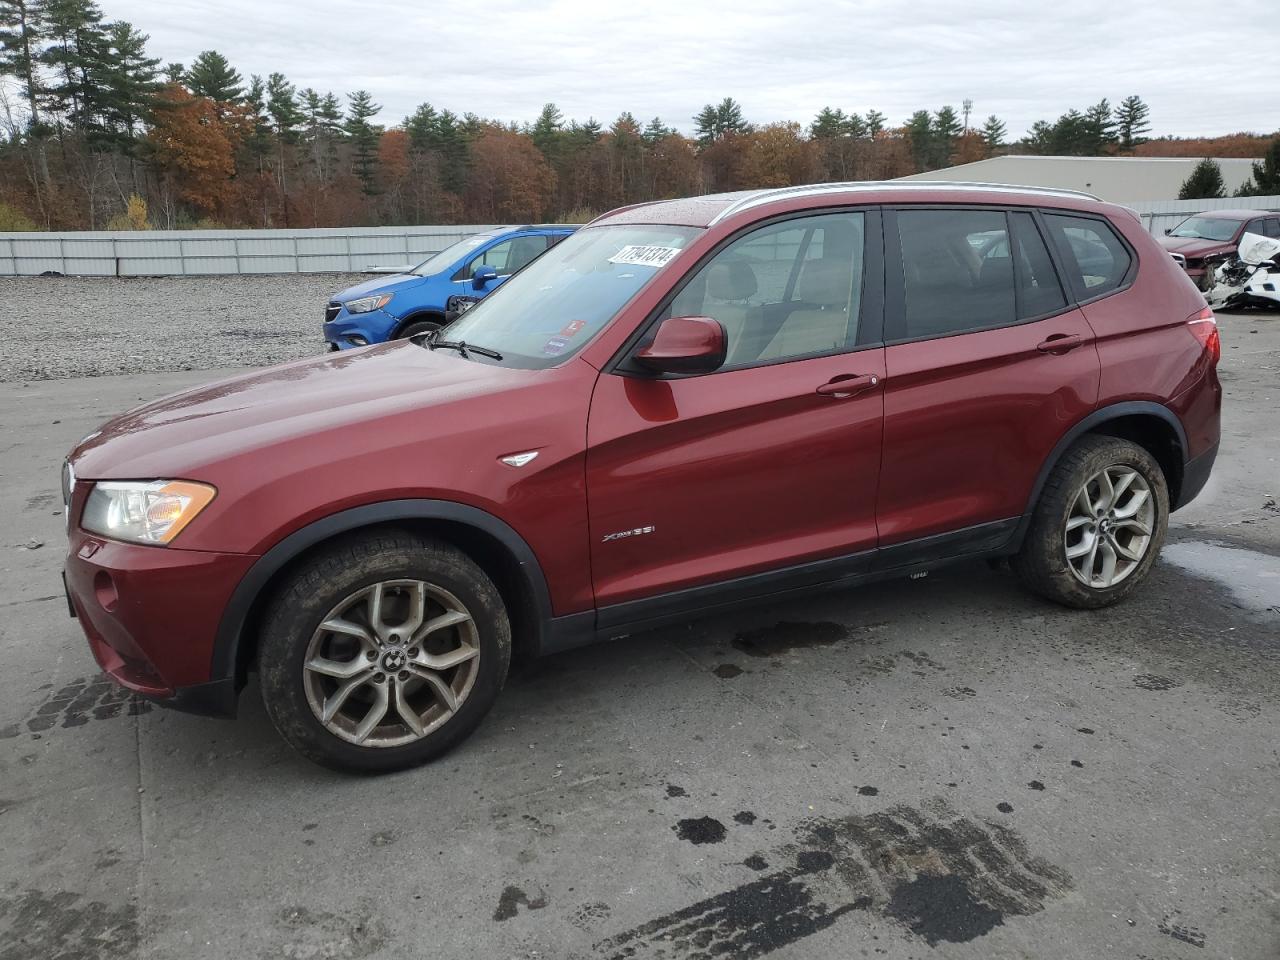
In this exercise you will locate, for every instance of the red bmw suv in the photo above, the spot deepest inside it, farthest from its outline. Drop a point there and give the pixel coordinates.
(682, 407)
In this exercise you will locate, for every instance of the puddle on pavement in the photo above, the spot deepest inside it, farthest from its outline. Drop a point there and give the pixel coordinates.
(1253, 578)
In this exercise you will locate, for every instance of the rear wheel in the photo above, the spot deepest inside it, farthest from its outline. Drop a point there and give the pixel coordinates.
(418, 327)
(1099, 525)
(383, 652)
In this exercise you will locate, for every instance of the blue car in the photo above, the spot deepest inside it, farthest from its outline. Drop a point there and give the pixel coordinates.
(407, 304)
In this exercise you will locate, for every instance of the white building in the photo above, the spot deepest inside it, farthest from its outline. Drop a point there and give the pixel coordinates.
(1118, 179)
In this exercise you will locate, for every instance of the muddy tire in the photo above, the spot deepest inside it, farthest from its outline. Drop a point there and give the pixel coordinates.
(1098, 526)
(382, 652)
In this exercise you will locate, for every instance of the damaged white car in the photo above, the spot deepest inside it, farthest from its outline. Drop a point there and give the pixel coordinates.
(1251, 277)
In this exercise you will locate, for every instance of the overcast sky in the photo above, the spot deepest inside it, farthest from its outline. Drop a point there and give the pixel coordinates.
(782, 60)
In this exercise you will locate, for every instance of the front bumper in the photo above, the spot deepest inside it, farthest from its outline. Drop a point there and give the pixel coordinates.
(150, 615)
(347, 331)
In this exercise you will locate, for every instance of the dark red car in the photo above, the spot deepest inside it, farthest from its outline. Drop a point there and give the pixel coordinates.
(1204, 240)
(684, 406)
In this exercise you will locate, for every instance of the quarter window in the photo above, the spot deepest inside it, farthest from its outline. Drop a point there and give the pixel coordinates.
(957, 271)
(784, 291)
(1096, 261)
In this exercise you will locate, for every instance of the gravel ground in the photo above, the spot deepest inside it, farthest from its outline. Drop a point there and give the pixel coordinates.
(90, 326)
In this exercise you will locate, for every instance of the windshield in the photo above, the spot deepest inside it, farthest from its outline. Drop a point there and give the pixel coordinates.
(446, 257)
(1206, 228)
(550, 309)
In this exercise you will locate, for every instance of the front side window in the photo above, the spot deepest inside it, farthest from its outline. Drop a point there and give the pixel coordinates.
(1095, 260)
(449, 255)
(506, 257)
(783, 291)
(551, 309)
(957, 272)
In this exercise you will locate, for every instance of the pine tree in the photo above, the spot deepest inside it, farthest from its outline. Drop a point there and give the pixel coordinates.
(1099, 127)
(175, 72)
(1131, 122)
(21, 35)
(1265, 181)
(715, 122)
(546, 130)
(656, 130)
(364, 136)
(282, 108)
(946, 127)
(1205, 182)
(455, 153)
(1039, 140)
(875, 123)
(128, 84)
(76, 57)
(993, 133)
(422, 126)
(855, 126)
(212, 76)
(919, 129)
(828, 124)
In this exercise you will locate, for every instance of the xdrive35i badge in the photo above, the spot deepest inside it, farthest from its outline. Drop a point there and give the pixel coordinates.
(623, 534)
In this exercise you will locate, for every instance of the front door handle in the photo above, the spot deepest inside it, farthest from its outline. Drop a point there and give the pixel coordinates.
(1060, 343)
(846, 385)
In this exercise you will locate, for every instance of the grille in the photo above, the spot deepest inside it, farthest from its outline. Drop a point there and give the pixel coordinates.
(332, 310)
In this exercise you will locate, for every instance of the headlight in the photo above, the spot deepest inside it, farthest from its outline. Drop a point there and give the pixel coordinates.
(368, 304)
(144, 511)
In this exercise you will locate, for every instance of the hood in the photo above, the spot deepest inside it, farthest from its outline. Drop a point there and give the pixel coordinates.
(378, 285)
(183, 435)
(1193, 246)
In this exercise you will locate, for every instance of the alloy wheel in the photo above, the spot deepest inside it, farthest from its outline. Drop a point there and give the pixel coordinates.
(1109, 526)
(391, 663)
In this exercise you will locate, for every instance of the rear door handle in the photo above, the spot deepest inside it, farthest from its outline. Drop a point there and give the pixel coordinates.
(1060, 343)
(846, 385)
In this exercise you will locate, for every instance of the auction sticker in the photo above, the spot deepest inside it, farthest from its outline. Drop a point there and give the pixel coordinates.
(645, 255)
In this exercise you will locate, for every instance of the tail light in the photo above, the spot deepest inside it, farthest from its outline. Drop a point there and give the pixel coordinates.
(1204, 327)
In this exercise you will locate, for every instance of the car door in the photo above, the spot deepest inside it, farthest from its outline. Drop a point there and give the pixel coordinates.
(766, 464)
(987, 363)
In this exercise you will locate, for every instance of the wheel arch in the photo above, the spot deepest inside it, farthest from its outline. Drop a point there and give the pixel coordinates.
(499, 550)
(1152, 426)
(430, 314)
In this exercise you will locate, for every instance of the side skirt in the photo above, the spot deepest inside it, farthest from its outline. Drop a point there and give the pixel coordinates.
(998, 538)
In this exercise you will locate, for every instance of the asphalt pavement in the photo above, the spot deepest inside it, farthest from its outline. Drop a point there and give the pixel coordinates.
(942, 768)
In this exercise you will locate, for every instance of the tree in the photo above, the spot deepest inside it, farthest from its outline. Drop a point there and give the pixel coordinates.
(193, 149)
(1265, 181)
(21, 34)
(422, 126)
(715, 122)
(129, 83)
(75, 56)
(993, 133)
(875, 123)
(1039, 139)
(1099, 128)
(364, 136)
(546, 130)
(212, 76)
(828, 124)
(511, 181)
(1205, 182)
(1131, 122)
(655, 130)
(919, 131)
(946, 127)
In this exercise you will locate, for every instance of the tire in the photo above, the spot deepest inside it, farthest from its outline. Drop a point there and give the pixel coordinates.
(1069, 519)
(369, 585)
(418, 327)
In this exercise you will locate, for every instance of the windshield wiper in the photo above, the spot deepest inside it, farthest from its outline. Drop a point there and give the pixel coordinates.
(462, 347)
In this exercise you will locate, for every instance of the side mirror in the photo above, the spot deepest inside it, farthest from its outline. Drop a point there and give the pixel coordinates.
(482, 275)
(1168, 230)
(685, 345)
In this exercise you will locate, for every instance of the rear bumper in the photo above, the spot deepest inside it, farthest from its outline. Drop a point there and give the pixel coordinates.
(150, 615)
(1195, 474)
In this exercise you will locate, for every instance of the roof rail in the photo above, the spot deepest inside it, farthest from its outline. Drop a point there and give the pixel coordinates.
(759, 197)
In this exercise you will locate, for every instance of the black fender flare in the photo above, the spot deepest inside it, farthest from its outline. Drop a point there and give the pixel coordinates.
(1114, 411)
(235, 616)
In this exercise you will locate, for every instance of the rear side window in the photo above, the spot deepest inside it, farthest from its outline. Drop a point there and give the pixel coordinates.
(1039, 292)
(1271, 227)
(1095, 260)
(957, 271)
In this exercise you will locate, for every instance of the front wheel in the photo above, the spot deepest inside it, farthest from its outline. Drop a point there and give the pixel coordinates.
(383, 652)
(418, 328)
(1098, 526)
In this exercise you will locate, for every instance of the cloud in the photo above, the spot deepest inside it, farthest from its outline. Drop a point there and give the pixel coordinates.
(504, 59)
